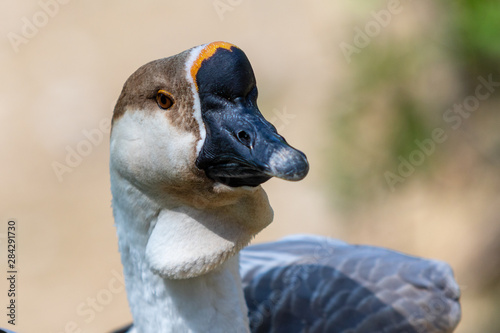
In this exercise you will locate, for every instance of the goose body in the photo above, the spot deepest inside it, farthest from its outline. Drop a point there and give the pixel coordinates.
(316, 284)
(188, 152)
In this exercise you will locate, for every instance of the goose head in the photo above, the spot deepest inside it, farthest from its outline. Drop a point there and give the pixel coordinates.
(188, 137)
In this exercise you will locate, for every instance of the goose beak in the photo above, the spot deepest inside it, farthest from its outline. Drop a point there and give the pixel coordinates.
(243, 149)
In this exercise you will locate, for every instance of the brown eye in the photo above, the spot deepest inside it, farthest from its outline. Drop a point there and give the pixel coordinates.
(164, 99)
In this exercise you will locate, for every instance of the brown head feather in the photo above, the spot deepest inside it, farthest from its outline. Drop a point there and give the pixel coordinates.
(140, 89)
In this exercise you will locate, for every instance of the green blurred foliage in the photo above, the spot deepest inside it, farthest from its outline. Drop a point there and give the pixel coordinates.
(385, 84)
(477, 26)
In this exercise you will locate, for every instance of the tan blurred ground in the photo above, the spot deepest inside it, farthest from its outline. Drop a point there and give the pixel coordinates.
(65, 81)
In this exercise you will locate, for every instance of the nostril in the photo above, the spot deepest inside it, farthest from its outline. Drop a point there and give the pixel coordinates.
(244, 138)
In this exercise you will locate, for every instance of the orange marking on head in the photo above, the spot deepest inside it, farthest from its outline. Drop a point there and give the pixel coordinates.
(206, 53)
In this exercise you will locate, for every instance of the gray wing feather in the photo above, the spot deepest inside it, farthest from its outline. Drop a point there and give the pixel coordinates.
(316, 284)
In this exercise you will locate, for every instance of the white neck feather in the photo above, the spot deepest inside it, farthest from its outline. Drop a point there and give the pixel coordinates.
(210, 302)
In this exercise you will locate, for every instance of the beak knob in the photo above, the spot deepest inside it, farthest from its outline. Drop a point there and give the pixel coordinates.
(288, 163)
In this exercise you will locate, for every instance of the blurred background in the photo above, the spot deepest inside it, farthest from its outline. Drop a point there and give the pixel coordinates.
(395, 104)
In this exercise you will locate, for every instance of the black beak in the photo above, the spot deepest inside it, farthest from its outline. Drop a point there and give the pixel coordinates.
(243, 149)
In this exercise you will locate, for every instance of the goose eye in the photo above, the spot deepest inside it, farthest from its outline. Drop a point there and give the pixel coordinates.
(164, 99)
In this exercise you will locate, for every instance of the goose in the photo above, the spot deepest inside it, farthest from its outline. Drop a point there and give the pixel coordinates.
(189, 150)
